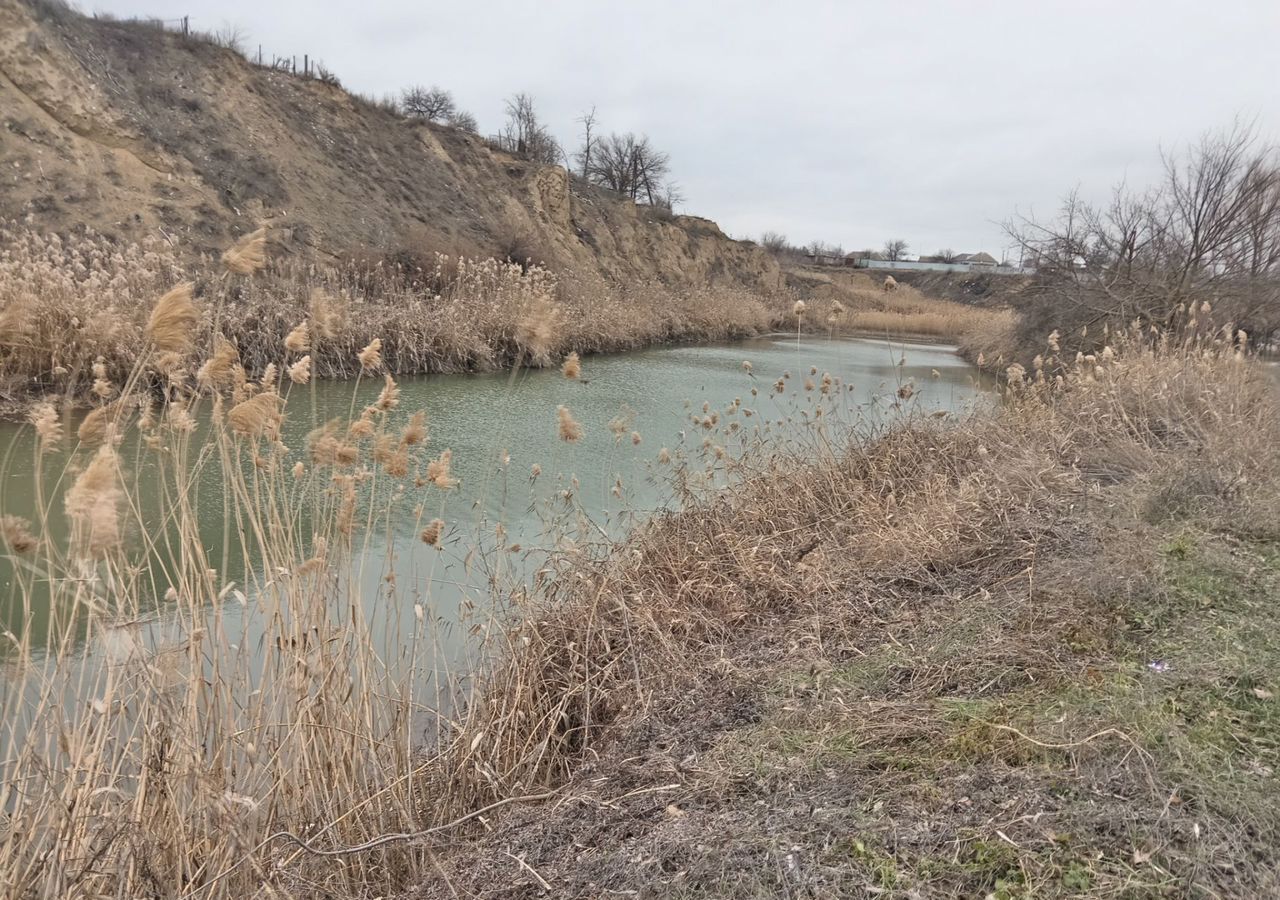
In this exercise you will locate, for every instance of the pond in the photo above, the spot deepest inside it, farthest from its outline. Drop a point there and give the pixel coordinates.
(501, 428)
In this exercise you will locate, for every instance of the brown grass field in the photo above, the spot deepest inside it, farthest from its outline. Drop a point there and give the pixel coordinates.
(1024, 652)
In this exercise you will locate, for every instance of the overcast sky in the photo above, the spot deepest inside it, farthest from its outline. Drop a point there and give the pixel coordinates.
(848, 122)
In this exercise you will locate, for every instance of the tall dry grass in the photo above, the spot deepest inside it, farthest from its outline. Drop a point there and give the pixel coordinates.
(68, 304)
(854, 304)
(168, 708)
(256, 737)
(931, 503)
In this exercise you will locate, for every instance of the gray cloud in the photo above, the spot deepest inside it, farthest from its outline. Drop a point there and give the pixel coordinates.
(848, 122)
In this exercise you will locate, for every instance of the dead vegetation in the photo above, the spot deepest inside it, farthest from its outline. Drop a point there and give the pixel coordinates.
(1016, 654)
(66, 305)
(1021, 655)
(853, 303)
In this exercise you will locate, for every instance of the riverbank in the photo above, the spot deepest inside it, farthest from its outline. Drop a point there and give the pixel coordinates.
(909, 655)
(73, 314)
(1026, 654)
(212, 601)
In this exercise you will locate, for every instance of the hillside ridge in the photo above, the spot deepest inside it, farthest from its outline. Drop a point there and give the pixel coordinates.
(132, 131)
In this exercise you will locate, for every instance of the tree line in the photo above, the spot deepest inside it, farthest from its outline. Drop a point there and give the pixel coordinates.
(1207, 231)
(893, 249)
(627, 164)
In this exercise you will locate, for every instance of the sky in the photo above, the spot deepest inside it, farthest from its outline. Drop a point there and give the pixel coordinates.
(846, 122)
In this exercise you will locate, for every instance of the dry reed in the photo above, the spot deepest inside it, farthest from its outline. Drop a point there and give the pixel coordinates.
(93, 504)
(569, 429)
(171, 327)
(248, 255)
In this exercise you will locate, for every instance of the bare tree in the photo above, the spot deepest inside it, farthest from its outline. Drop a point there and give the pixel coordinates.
(631, 166)
(463, 121)
(670, 196)
(1209, 231)
(947, 255)
(433, 104)
(895, 249)
(589, 141)
(525, 136)
(774, 241)
(820, 249)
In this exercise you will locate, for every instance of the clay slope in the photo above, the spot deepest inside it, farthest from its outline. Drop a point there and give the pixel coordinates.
(131, 131)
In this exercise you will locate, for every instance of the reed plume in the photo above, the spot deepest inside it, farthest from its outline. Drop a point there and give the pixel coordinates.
(327, 449)
(146, 413)
(95, 426)
(432, 533)
(345, 517)
(300, 372)
(15, 531)
(180, 419)
(44, 417)
(621, 424)
(327, 315)
(172, 324)
(362, 427)
(298, 340)
(103, 389)
(572, 367)
(322, 443)
(416, 431)
(570, 430)
(248, 254)
(392, 455)
(389, 398)
(536, 329)
(93, 504)
(371, 356)
(259, 415)
(438, 471)
(219, 370)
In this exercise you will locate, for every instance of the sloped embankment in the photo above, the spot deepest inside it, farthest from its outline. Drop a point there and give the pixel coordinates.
(134, 131)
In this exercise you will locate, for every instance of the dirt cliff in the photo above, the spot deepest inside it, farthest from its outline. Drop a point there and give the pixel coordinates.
(132, 130)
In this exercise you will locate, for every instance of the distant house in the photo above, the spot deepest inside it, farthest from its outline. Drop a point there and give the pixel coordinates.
(980, 258)
(858, 257)
(824, 259)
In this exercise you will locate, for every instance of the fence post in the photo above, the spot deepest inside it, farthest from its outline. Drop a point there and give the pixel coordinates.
(306, 64)
(186, 25)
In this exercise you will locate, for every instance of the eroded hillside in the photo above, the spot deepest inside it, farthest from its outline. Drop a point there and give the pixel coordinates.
(133, 131)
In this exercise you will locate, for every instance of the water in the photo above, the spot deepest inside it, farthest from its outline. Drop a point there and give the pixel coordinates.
(499, 427)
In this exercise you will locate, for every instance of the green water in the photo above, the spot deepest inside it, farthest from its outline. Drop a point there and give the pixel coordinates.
(499, 426)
